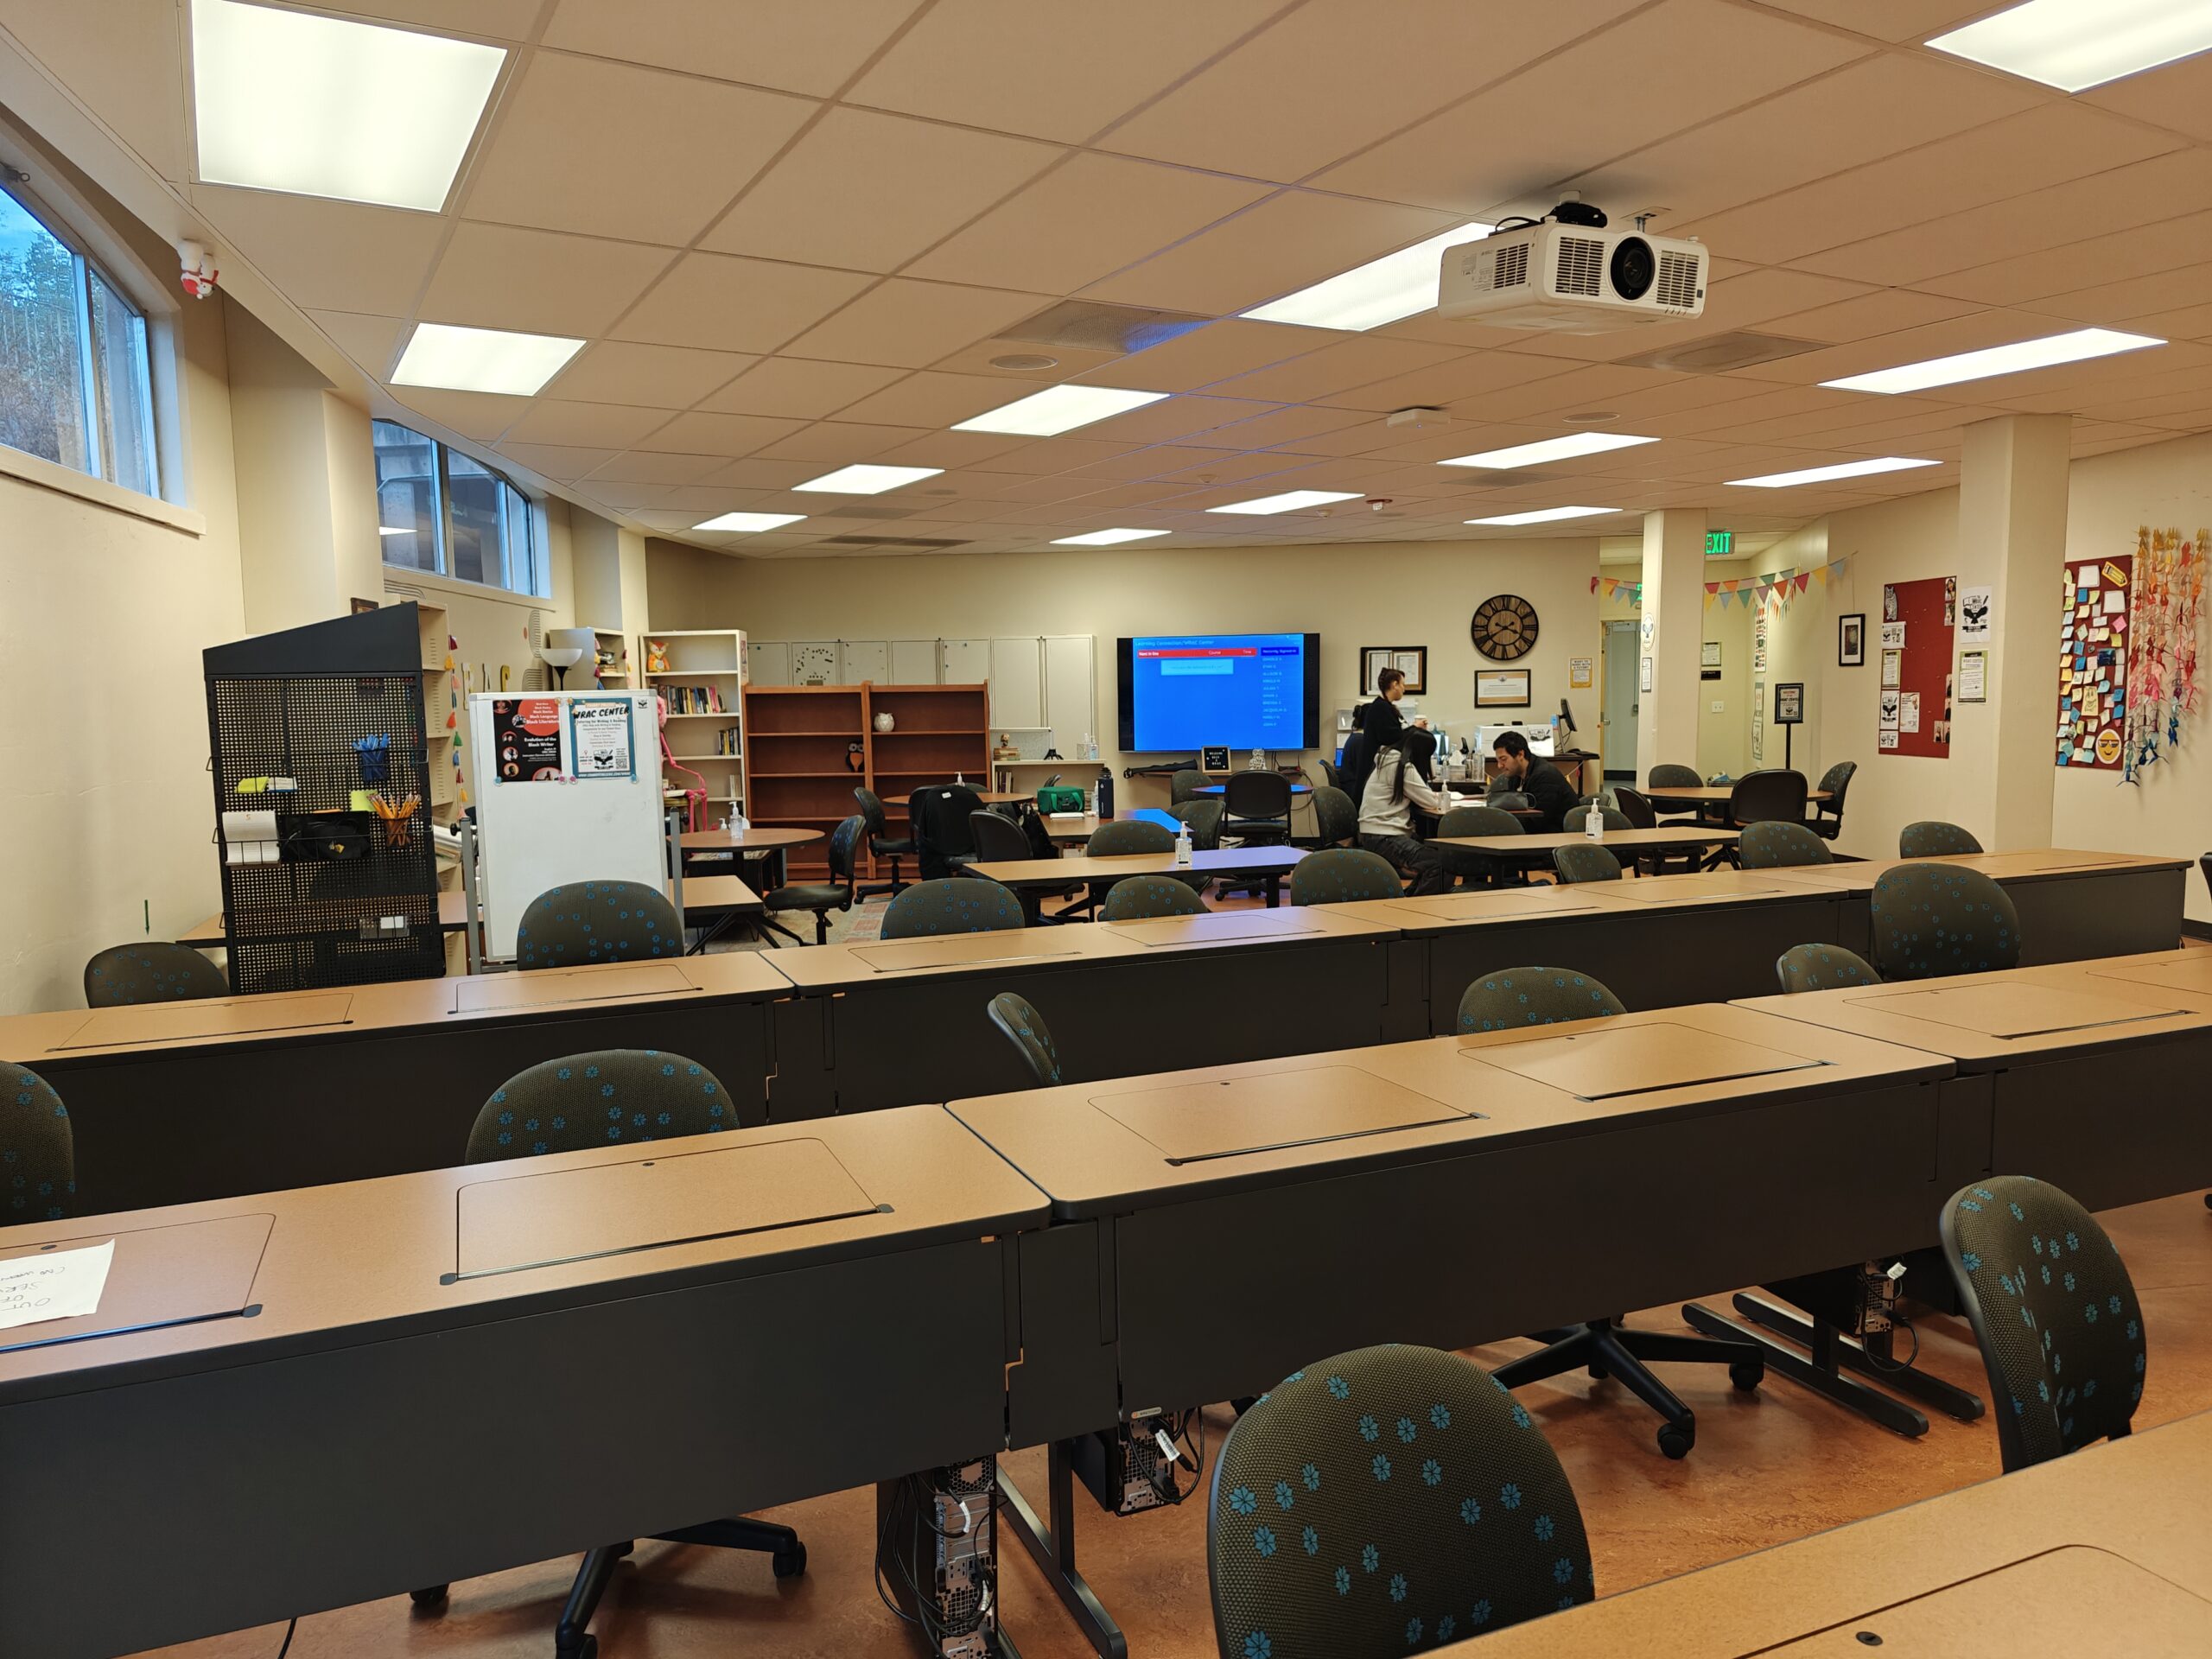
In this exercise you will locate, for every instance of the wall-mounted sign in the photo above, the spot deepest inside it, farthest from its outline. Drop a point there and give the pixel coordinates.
(1720, 543)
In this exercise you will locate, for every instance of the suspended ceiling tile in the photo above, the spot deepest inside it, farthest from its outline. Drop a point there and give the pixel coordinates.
(334, 256)
(698, 432)
(751, 473)
(654, 377)
(1354, 360)
(479, 416)
(1887, 20)
(2188, 322)
(1286, 242)
(2153, 247)
(537, 281)
(801, 48)
(563, 463)
(929, 399)
(1057, 455)
(1202, 356)
(870, 191)
(663, 155)
(910, 324)
(371, 342)
(648, 466)
(1466, 380)
(1334, 76)
(550, 420)
(1604, 97)
(951, 450)
(2121, 301)
(498, 19)
(1150, 461)
(800, 387)
(1175, 418)
(1869, 313)
(121, 61)
(1051, 71)
(1972, 330)
(723, 304)
(626, 497)
(1289, 425)
(2175, 95)
(1084, 221)
(836, 443)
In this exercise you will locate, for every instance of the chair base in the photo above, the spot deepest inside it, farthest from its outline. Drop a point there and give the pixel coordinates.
(1609, 1349)
(1832, 1353)
(894, 887)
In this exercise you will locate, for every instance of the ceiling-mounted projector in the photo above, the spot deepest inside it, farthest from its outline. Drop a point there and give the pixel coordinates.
(1567, 274)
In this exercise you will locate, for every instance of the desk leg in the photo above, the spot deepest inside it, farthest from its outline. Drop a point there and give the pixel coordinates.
(1951, 1401)
(1275, 891)
(1822, 1373)
(1053, 1550)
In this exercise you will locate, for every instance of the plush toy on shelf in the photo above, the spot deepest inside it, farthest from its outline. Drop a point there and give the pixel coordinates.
(656, 657)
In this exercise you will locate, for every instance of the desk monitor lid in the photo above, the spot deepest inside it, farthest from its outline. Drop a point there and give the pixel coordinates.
(1193, 1122)
(1612, 1061)
(2011, 1009)
(1217, 926)
(555, 987)
(150, 1024)
(177, 1274)
(2191, 973)
(961, 950)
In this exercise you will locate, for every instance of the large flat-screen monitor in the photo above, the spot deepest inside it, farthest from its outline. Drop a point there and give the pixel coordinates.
(1180, 691)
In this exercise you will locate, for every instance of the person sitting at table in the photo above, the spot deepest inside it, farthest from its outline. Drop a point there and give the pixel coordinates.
(1544, 784)
(1380, 726)
(1398, 787)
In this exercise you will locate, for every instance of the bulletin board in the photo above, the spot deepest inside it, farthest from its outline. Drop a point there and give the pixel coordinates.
(2093, 662)
(1918, 621)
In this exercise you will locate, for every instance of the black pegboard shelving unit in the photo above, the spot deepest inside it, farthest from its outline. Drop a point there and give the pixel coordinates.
(290, 704)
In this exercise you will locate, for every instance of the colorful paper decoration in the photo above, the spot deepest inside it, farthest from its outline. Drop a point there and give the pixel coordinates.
(2167, 617)
(2093, 674)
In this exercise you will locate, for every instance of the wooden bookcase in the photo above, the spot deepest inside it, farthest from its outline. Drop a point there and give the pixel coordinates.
(707, 670)
(611, 665)
(798, 742)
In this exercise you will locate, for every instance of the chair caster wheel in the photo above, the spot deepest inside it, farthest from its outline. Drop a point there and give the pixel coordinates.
(1243, 1403)
(1747, 1374)
(789, 1563)
(1599, 1373)
(1676, 1442)
(429, 1600)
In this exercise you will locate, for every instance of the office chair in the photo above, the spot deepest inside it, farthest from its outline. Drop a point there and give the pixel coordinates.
(1204, 815)
(1586, 861)
(38, 1151)
(1770, 796)
(1933, 919)
(938, 815)
(1534, 996)
(1185, 784)
(1636, 807)
(1140, 897)
(1478, 869)
(1026, 1030)
(1506, 800)
(1343, 875)
(1576, 817)
(614, 1096)
(951, 905)
(1828, 816)
(155, 971)
(1666, 775)
(1822, 968)
(882, 844)
(585, 922)
(1385, 1500)
(999, 839)
(1126, 835)
(820, 897)
(2054, 1311)
(1331, 776)
(1933, 838)
(1336, 820)
(1771, 844)
(1259, 807)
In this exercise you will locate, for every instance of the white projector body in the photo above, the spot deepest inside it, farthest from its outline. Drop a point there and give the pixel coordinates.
(1571, 279)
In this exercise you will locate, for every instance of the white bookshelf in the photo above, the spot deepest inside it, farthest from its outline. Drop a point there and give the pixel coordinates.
(612, 667)
(702, 664)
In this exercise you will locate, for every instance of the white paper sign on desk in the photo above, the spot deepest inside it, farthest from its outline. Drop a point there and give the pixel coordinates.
(59, 1285)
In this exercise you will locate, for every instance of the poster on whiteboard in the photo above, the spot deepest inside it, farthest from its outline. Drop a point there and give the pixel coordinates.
(526, 739)
(600, 739)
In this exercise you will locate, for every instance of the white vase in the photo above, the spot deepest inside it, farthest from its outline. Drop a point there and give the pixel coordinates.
(885, 722)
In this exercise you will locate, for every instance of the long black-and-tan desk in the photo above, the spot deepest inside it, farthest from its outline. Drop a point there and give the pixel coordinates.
(2107, 1552)
(1655, 941)
(2090, 1075)
(892, 1022)
(178, 1100)
(316, 1398)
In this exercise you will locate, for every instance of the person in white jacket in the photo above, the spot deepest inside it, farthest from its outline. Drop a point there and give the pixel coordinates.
(1397, 786)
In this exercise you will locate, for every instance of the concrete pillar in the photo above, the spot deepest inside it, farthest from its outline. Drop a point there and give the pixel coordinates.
(1671, 632)
(2012, 486)
(609, 575)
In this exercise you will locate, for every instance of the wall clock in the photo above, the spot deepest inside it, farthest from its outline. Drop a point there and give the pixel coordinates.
(1504, 629)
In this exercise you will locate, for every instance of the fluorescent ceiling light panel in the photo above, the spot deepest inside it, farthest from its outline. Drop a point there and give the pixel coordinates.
(2074, 44)
(1546, 515)
(1535, 454)
(868, 481)
(1289, 501)
(1822, 474)
(481, 359)
(317, 107)
(1383, 291)
(751, 523)
(2016, 358)
(1058, 409)
(1107, 538)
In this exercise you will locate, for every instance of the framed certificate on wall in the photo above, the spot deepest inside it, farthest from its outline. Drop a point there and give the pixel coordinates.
(1502, 688)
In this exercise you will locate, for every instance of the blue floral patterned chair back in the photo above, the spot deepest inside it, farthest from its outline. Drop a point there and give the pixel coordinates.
(155, 971)
(1184, 785)
(1135, 898)
(38, 1155)
(1336, 820)
(613, 1096)
(2054, 1311)
(1385, 1501)
(1667, 775)
(953, 903)
(1025, 1029)
(1772, 845)
(579, 922)
(1586, 861)
(1822, 968)
(1203, 814)
(1534, 996)
(1933, 838)
(1933, 919)
(1576, 817)
(1132, 835)
(1343, 875)
(1479, 821)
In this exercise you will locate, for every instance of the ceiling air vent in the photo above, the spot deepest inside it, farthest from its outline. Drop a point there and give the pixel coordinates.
(1581, 265)
(1086, 325)
(1718, 353)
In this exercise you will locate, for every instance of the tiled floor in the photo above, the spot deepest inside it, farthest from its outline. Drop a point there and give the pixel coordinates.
(1768, 1468)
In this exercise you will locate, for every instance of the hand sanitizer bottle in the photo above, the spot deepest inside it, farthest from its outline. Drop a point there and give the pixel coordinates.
(1594, 825)
(1182, 846)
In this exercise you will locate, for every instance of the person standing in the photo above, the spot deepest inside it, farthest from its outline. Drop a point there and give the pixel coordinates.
(1397, 788)
(1544, 784)
(1380, 726)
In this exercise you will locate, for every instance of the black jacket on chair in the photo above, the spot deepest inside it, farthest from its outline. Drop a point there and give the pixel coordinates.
(943, 841)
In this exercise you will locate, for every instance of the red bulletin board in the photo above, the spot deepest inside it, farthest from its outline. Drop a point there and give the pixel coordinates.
(1916, 712)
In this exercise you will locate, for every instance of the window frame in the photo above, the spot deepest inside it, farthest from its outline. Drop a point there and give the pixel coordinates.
(535, 575)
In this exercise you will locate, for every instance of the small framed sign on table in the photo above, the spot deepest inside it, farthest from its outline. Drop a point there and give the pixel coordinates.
(1789, 712)
(1502, 688)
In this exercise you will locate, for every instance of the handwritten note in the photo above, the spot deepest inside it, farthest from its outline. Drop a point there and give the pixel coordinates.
(59, 1285)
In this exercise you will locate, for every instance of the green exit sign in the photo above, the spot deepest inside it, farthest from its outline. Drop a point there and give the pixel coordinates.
(1720, 543)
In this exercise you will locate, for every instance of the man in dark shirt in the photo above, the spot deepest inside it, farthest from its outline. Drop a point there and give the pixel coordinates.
(1544, 784)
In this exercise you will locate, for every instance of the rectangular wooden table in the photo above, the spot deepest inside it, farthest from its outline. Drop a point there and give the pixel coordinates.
(1269, 864)
(2107, 1552)
(1668, 838)
(318, 1398)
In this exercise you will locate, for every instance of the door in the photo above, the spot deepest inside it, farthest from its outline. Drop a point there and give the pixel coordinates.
(1622, 704)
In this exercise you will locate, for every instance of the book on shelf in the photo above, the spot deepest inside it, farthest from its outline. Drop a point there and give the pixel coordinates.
(694, 700)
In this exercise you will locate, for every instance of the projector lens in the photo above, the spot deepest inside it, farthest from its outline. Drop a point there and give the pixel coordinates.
(1633, 268)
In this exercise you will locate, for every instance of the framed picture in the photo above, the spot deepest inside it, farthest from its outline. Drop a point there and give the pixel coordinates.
(1709, 654)
(1502, 688)
(1851, 640)
(1789, 704)
(1412, 661)
(1213, 757)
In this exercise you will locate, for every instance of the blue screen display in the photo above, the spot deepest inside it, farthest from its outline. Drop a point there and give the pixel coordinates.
(1246, 690)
